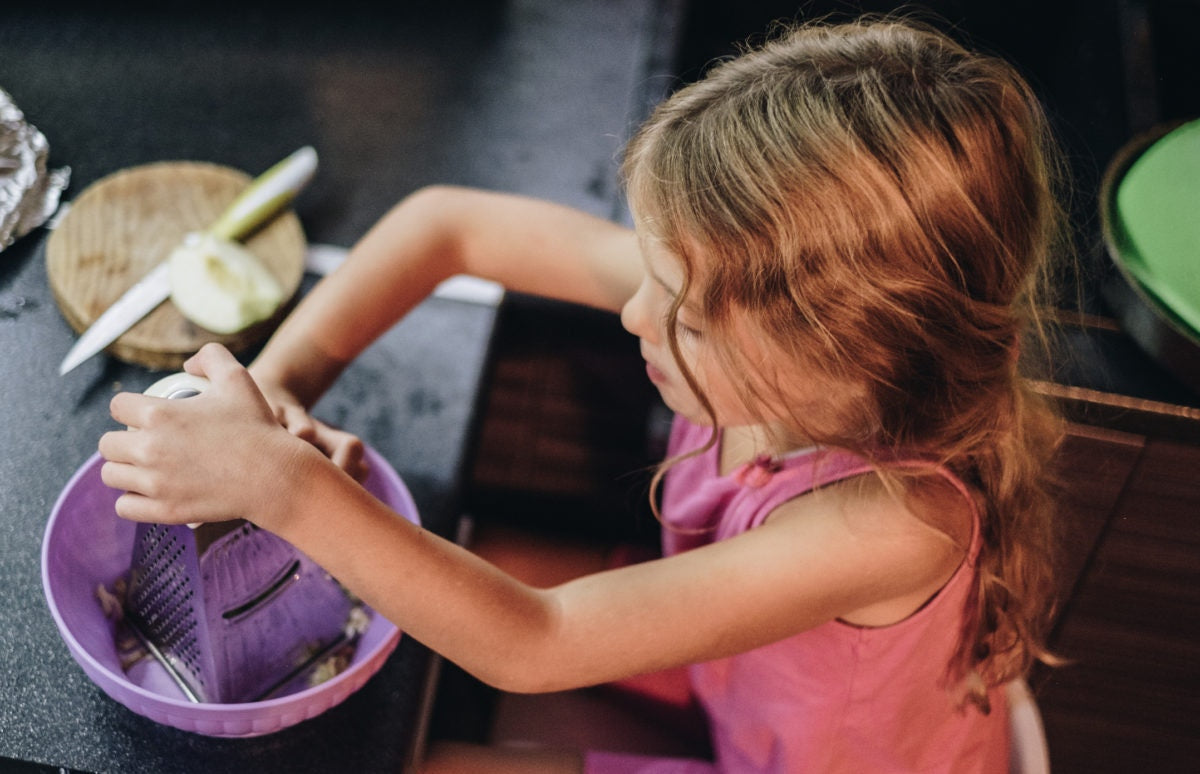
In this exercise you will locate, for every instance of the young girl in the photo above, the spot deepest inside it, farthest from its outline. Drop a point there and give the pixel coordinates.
(836, 246)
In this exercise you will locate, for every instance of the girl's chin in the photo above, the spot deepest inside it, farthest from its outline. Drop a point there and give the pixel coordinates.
(689, 410)
(681, 401)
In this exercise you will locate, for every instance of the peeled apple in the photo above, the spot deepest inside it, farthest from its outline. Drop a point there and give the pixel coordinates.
(220, 285)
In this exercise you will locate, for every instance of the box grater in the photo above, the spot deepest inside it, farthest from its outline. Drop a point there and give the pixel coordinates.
(233, 612)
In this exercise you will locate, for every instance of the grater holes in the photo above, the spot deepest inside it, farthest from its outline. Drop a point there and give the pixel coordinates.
(164, 587)
(164, 603)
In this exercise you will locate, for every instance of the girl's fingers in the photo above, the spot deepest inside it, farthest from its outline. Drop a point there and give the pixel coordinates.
(126, 447)
(136, 507)
(123, 476)
(155, 461)
(213, 362)
(132, 409)
(133, 507)
(299, 423)
(226, 373)
(346, 452)
(344, 449)
(113, 448)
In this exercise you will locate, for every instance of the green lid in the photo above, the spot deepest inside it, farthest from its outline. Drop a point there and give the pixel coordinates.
(1158, 211)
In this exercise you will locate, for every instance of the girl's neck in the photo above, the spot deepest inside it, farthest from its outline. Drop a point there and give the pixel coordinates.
(739, 445)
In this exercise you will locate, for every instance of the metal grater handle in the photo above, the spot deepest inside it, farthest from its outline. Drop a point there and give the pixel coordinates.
(180, 385)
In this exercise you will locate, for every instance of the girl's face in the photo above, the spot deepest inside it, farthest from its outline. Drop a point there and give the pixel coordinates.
(645, 316)
(822, 401)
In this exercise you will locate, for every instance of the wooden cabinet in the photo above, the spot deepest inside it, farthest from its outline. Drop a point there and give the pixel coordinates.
(1129, 700)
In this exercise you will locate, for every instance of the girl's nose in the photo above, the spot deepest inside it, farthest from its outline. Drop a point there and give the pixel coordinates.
(636, 318)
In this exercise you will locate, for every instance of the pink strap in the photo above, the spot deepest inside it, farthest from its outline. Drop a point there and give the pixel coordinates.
(765, 470)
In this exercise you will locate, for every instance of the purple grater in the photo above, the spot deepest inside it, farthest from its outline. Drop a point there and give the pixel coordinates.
(234, 613)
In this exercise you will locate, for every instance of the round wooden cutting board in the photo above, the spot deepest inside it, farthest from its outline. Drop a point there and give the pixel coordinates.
(124, 224)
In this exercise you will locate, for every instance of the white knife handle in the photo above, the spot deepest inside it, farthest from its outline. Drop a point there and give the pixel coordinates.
(268, 194)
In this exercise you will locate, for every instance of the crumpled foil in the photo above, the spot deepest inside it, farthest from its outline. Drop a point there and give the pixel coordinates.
(29, 193)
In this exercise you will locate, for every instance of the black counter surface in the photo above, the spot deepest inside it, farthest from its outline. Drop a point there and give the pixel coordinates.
(533, 97)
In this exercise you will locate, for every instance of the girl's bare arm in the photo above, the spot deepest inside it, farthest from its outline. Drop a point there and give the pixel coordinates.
(524, 244)
(832, 555)
(823, 556)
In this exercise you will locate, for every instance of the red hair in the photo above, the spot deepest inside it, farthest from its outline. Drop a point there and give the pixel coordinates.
(879, 204)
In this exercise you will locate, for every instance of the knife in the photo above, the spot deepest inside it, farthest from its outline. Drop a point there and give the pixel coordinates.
(270, 192)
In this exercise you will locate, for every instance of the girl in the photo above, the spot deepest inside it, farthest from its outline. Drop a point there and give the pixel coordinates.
(833, 266)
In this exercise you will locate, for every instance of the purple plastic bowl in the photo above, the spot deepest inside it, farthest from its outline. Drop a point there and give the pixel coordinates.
(86, 544)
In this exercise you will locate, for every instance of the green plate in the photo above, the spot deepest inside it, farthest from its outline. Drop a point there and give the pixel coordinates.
(1158, 218)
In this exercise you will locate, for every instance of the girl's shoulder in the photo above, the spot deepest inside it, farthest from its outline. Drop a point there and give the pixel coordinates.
(944, 503)
(870, 503)
(871, 500)
(903, 545)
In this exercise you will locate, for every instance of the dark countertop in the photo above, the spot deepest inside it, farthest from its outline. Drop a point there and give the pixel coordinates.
(533, 97)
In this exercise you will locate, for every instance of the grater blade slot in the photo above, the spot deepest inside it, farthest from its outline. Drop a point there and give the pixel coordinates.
(290, 575)
(307, 666)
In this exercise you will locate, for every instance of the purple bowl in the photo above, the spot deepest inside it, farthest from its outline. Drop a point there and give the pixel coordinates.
(86, 544)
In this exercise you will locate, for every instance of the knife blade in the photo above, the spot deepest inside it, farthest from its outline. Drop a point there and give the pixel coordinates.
(266, 196)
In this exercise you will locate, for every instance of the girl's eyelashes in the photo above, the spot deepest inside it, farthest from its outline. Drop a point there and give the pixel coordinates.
(682, 330)
(686, 331)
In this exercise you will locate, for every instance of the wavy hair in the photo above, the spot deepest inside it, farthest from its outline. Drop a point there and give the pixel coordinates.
(882, 205)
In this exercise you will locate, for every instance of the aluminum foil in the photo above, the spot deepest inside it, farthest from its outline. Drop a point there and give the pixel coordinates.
(29, 193)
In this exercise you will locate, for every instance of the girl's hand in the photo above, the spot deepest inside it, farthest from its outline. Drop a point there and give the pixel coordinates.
(343, 448)
(216, 456)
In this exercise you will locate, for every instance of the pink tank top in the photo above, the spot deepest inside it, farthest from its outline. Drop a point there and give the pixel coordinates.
(836, 698)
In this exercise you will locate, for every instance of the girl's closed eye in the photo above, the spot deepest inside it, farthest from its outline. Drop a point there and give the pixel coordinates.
(685, 331)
